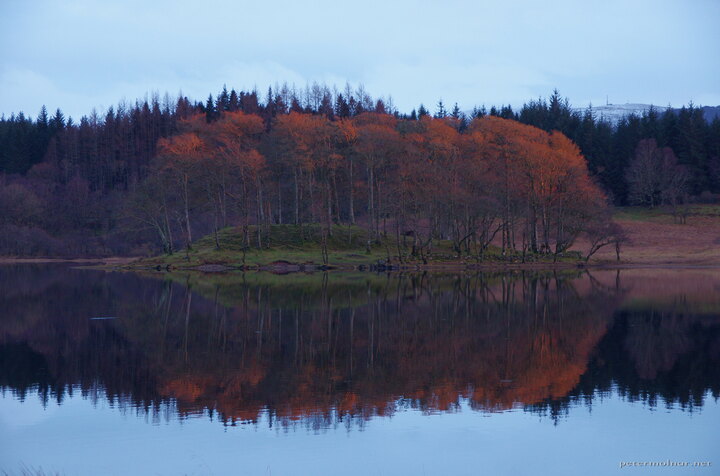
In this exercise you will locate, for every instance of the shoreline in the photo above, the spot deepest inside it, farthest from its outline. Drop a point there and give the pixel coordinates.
(116, 260)
(287, 268)
(137, 264)
(653, 239)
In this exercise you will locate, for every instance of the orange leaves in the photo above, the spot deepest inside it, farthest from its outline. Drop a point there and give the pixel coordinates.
(185, 145)
(389, 169)
(236, 137)
(302, 139)
(436, 140)
(348, 131)
(248, 125)
(367, 118)
(229, 142)
(254, 160)
(544, 165)
(183, 154)
(377, 139)
(296, 125)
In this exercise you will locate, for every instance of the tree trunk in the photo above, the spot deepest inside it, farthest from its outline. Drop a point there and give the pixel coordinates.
(352, 203)
(187, 211)
(328, 192)
(371, 201)
(335, 196)
(279, 204)
(297, 197)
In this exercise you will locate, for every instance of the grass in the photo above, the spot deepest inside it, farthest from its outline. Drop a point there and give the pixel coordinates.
(664, 214)
(348, 247)
(656, 237)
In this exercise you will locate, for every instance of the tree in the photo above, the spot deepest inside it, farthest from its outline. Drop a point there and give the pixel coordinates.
(182, 156)
(377, 142)
(441, 112)
(603, 231)
(148, 206)
(20, 205)
(342, 108)
(654, 176)
(211, 111)
(233, 168)
(542, 184)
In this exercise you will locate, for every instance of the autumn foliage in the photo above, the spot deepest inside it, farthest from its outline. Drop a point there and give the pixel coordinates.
(410, 182)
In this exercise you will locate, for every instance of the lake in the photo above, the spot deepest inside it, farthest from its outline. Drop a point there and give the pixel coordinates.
(569, 372)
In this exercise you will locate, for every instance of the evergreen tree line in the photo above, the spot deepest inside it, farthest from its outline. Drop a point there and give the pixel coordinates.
(61, 178)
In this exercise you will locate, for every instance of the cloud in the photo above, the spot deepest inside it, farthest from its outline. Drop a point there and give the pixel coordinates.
(467, 84)
(26, 90)
(18, 85)
(82, 54)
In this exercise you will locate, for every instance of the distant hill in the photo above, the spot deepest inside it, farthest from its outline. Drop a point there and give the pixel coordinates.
(711, 112)
(613, 113)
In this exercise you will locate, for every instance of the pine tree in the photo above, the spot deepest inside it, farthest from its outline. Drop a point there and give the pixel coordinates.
(380, 107)
(478, 112)
(441, 112)
(506, 112)
(57, 123)
(456, 111)
(270, 110)
(42, 119)
(354, 107)
(233, 101)
(210, 110)
(326, 107)
(342, 108)
(223, 101)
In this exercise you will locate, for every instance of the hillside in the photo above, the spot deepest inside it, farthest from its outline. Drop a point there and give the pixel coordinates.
(613, 113)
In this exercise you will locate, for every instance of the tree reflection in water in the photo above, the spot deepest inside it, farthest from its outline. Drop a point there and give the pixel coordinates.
(329, 348)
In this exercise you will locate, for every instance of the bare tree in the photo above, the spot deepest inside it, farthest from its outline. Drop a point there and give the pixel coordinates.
(654, 175)
(603, 233)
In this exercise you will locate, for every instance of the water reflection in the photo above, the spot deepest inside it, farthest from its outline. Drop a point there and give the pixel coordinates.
(329, 349)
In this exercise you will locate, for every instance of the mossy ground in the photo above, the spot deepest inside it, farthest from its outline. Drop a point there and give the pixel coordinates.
(348, 247)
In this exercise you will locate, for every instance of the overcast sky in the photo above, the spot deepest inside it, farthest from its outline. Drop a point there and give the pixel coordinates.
(81, 54)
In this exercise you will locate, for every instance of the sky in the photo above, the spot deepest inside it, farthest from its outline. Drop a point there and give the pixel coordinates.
(80, 54)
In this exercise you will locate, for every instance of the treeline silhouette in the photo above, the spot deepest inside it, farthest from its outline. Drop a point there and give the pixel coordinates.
(67, 185)
(669, 349)
(321, 349)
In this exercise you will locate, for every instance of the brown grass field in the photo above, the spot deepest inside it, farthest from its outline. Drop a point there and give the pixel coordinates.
(656, 238)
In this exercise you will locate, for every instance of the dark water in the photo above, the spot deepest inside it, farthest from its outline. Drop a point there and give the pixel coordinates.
(323, 374)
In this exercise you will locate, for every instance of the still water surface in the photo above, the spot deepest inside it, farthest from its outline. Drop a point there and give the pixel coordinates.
(262, 374)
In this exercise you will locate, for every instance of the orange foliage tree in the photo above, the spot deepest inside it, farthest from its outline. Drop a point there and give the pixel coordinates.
(423, 180)
(183, 154)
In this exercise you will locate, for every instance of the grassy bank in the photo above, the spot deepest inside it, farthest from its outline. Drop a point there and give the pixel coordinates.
(654, 237)
(294, 247)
